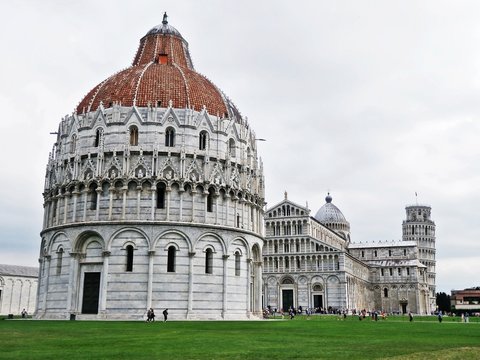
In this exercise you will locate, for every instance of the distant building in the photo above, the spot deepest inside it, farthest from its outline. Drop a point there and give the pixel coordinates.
(311, 262)
(467, 300)
(18, 289)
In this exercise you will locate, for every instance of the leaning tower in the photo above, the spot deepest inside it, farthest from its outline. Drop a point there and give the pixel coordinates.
(419, 227)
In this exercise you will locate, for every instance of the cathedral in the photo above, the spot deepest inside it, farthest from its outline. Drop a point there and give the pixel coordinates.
(311, 262)
(153, 197)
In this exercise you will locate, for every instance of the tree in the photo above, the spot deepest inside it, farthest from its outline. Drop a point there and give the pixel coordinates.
(443, 302)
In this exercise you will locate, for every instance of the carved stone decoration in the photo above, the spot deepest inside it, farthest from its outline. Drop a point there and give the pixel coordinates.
(89, 169)
(168, 170)
(141, 168)
(113, 168)
(193, 173)
(217, 177)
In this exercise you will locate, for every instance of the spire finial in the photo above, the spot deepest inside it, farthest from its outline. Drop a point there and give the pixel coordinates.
(286, 195)
(165, 16)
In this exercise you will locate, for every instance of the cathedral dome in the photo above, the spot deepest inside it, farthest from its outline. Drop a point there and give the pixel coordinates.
(329, 212)
(162, 74)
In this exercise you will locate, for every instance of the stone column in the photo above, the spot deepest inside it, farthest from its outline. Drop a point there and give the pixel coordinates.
(181, 190)
(73, 282)
(104, 285)
(227, 206)
(193, 202)
(97, 207)
(151, 255)
(65, 206)
(168, 191)
(191, 256)
(75, 194)
(216, 208)
(111, 191)
(124, 201)
(225, 286)
(46, 277)
(85, 199)
(258, 288)
(249, 278)
(153, 189)
(139, 193)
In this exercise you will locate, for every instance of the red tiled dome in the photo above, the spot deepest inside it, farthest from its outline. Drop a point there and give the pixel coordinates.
(161, 71)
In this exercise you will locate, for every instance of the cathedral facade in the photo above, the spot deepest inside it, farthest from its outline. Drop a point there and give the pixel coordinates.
(153, 197)
(310, 262)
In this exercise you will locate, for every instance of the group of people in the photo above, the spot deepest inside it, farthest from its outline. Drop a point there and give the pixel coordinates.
(151, 315)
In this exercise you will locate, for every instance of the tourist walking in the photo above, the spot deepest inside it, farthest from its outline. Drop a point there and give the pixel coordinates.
(165, 315)
(410, 316)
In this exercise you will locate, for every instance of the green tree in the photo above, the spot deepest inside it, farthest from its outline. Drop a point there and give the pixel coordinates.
(443, 302)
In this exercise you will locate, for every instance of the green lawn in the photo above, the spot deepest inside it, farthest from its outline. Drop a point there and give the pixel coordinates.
(322, 337)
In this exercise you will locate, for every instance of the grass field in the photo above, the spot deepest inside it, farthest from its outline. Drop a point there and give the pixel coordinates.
(321, 337)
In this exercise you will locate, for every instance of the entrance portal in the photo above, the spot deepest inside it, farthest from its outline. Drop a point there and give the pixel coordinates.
(404, 307)
(287, 299)
(91, 291)
(318, 301)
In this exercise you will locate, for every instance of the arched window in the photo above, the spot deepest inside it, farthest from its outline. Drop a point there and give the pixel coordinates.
(231, 148)
(203, 140)
(170, 137)
(375, 253)
(208, 261)
(171, 259)
(161, 196)
(385, 292)
(59, 261)
(98, 137)
(73, 143)
(133, 135)
(211, 194)
(249, 157)
(237, 263)
(129, 249)
(238, 220)
(93, 196)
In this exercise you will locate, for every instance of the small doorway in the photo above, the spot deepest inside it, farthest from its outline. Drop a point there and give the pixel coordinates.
(91, 291)
(318, 301)
(404, 307)
(287, 299)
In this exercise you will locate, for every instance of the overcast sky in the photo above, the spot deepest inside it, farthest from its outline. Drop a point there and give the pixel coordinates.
(370, 100)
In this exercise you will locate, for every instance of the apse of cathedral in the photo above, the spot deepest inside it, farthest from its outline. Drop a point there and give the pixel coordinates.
(310, 262)
(153, 197)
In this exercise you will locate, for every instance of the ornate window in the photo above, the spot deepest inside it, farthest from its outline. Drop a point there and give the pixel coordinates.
(73, 143)
(129, 266)
(133, 135)
(211, 194)
(93, 196)
(231, 148)
(385, 292)
(171, 259)
(59, 261)
(161, 196)
(203, 140)
(209, 261)
(170, 137)
(237, 263)
(98, 137)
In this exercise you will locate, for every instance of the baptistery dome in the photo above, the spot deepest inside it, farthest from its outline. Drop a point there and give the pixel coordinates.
(153, 197)
(331, 216)
(161, 72)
